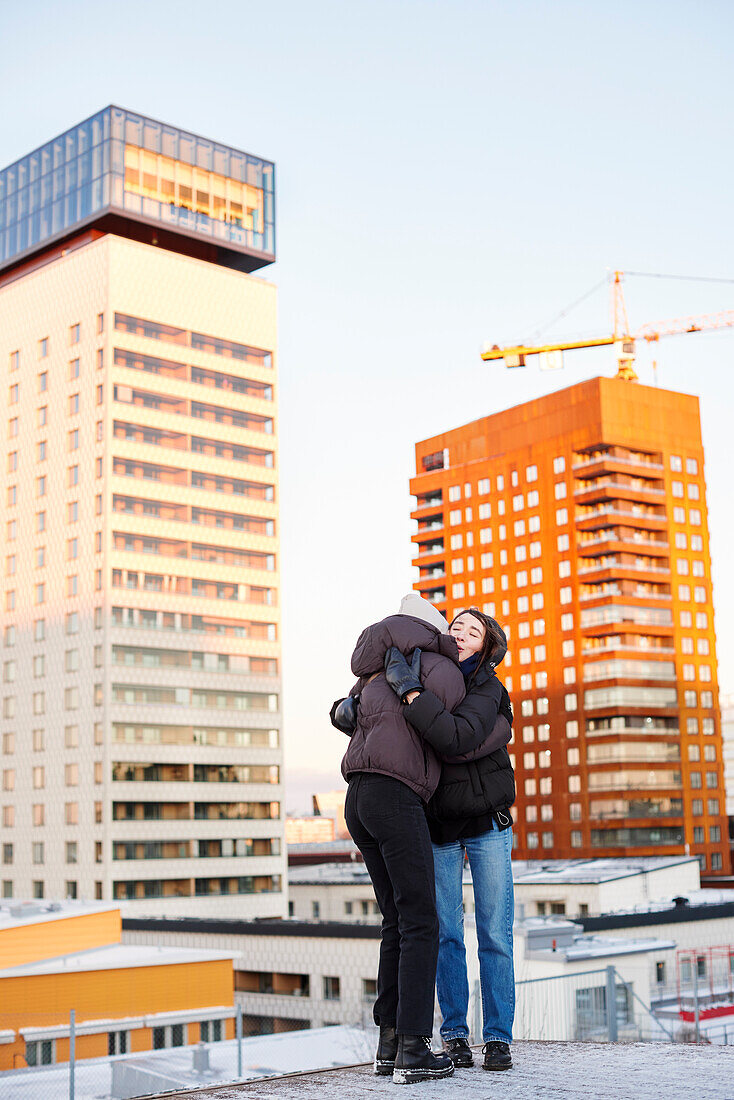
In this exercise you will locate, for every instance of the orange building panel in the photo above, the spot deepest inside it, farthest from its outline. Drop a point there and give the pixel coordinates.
(579, 521)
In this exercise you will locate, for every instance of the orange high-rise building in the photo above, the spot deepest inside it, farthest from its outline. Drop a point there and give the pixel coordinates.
(579, 521)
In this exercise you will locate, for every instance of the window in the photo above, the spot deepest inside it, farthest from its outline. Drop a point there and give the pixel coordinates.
(693, 491)
(42, 416)
(679, 515)
(576, 838)
(41, 1052)
(561, 516)
(331, 989)
(73, 404)
(75, 333)
(73, 369)
(533, 501)
(73, 440)
(567, 622)
(531, 473)
(559, 464)
(14, 360)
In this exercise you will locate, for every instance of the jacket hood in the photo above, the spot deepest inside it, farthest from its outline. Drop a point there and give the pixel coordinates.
(403, 631)
(413, 604)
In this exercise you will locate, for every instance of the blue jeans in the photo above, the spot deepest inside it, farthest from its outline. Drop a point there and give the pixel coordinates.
(491, 869)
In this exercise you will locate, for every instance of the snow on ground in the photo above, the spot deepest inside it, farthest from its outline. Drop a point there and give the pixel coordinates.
(263, 1055)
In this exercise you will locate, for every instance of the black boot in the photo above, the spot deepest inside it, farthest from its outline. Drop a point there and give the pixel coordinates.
(459, 1051)
(387, 1048)
(416, 1061)
(497, 1055)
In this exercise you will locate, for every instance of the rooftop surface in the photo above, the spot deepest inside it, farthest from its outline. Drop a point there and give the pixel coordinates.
(22, 914)
(524, 872)
(117, 956)
(542, 1071)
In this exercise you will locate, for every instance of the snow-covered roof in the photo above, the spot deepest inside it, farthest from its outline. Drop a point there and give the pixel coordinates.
(20, 914)
(116, 956)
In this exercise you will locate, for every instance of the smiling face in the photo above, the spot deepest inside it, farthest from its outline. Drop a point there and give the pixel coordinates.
(469, 634)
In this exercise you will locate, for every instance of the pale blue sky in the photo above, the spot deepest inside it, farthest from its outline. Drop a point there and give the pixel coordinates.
(448, 173)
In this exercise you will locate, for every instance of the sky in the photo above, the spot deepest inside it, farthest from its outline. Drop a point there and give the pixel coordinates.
(448, 173)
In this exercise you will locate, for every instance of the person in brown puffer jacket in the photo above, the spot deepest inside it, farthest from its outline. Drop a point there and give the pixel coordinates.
(392, 772)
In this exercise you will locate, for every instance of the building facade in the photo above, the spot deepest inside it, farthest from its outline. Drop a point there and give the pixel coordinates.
(126, 999)
(141, 757)
(579, 521)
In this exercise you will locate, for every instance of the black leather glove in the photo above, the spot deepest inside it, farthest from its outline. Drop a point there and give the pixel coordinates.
(401, 676)
(344, 714)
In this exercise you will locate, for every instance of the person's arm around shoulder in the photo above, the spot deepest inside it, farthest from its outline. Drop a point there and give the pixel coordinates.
(453, 733)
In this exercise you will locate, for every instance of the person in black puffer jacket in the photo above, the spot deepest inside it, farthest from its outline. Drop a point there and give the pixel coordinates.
(469, 815)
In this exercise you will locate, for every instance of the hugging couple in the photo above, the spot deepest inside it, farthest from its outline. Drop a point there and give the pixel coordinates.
(430, 783)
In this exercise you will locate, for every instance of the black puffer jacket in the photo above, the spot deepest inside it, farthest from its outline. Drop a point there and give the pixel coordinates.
(383, 741)
(477, 784)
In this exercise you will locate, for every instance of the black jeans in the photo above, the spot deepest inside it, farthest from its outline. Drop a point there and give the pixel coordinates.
(388, 824)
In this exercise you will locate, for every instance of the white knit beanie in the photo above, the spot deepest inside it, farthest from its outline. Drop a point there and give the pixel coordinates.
(414, 604)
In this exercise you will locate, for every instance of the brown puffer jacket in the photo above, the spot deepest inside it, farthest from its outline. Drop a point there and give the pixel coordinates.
(383, 741)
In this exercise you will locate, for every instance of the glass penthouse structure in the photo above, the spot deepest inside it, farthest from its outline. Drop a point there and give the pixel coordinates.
(124, 173)
(140, 695)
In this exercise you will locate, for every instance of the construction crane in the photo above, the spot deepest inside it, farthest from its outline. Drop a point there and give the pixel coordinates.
(622, 338)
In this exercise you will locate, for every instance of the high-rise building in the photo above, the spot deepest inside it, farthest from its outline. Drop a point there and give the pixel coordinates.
(579, 521)
(140, 698)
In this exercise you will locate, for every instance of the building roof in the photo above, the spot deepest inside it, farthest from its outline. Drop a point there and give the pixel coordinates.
(21, 914)
(567, 872)
(116, 956)
(590, 871)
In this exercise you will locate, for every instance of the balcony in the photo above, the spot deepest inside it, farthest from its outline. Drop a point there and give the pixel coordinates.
(587, 518)
(433, 501)
(647, 730)
(621, 538)
(631, 489)
(433, 574)
(634, 780)
(429, 549)
(430, 523)
(620, 809)
(618, 567)
(628, 589)
(639, 644)
(626, 669)
(640, 462)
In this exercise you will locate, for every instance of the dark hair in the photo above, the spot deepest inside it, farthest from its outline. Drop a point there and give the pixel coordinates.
(493, 638)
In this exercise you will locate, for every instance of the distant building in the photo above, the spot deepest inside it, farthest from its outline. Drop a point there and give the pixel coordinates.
(570, 888)
(331, 804)
(727, 730)
(141, 650)
(579, 521)
(69, 956)
(310, 829)
(292, 974)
